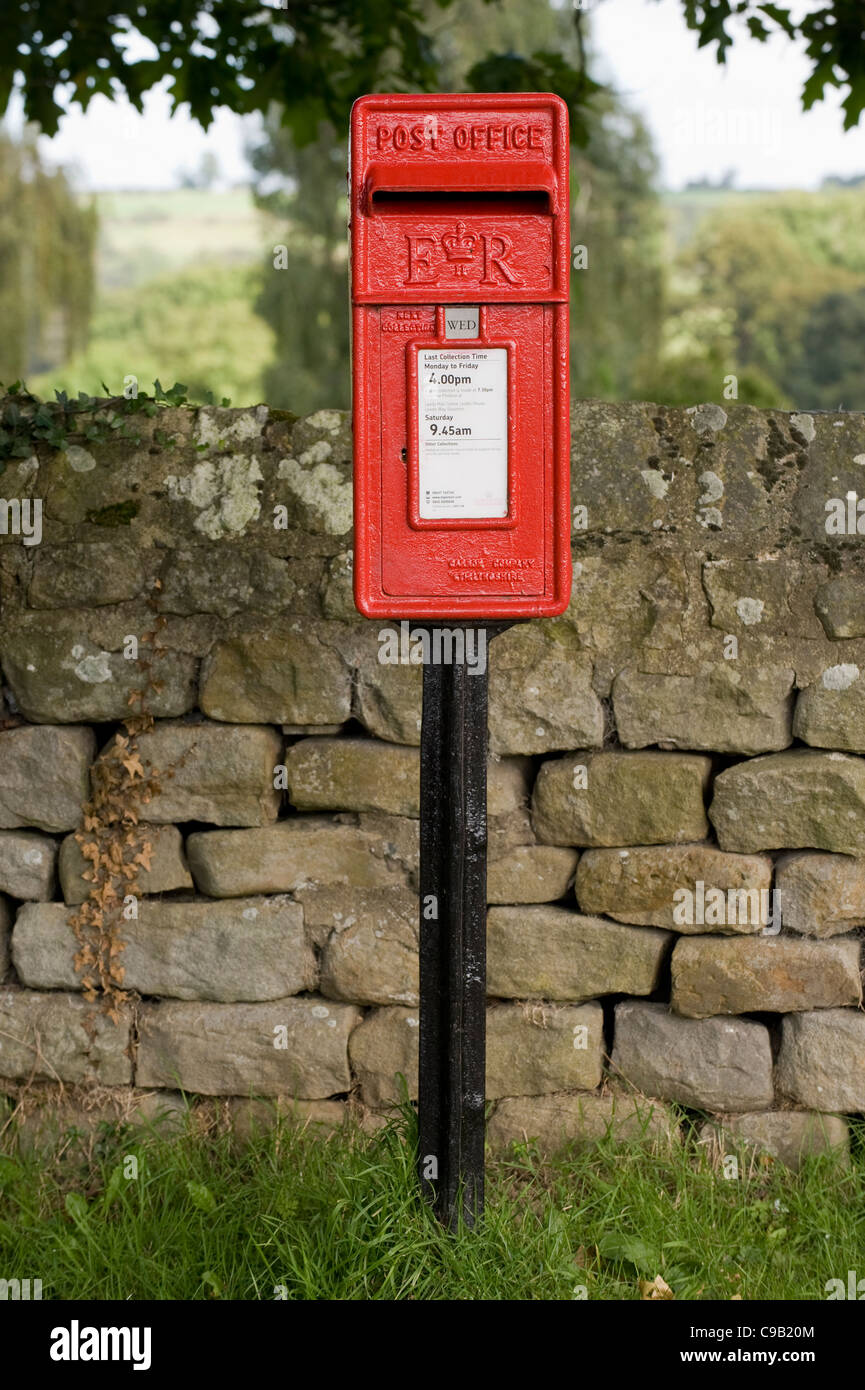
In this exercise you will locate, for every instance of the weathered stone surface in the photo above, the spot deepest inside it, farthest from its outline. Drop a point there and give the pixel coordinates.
(821, 1063)
(399, 838)
(833, 470)
(337, 599)
(369, 942)
(168, 869)
(616, 473)
(554, 953)
(225, 580)
(508, 784)
(821, 894)
(80, 576)
(216, 773)
(536, 1048)
(531, 874)
(314, 481)
(293, 854)
(541, 695)
(641, 886)
(364, 774)
(840, 605)
(59, 672)
(44, 776)
(244, 949)
(353, 774)
(5, 933)
(285, 673)
(383, 1048)
(723, 709)
(765, 599)
(509, 832)
(531, 1049)
(388, 697)
(250, 1117)
(711, 1063)
(578, 1120)
(626, 597)
(734, 975)
(287, 1047)
(788, 1135)
(27, 864)
(831, 712)
(219, 496)
(60, 1037)
(629, 799)
(796, 800)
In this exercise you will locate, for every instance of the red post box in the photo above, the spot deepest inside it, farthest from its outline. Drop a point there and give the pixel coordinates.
(460, 271)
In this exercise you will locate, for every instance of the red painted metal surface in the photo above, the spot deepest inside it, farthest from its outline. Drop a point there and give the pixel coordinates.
(460, 201)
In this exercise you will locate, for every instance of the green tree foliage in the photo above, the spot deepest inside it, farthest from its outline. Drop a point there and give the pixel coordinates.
(303, 292)
(755, 293)
(617, 297)
(617, 301)
(314, 57)
(830, 372)
(47, 242)
(196, 326)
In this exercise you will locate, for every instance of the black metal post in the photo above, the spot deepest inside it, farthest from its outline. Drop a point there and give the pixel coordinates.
(453, 873)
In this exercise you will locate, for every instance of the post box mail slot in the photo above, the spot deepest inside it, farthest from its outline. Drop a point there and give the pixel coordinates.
(460, 271)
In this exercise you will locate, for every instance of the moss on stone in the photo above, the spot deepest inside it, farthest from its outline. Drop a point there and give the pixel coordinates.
(120, 514)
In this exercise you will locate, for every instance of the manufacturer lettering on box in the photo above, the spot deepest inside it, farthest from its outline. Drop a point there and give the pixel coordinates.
(463, 432)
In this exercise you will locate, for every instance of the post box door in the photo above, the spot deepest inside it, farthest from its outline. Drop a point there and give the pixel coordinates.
(482, 531)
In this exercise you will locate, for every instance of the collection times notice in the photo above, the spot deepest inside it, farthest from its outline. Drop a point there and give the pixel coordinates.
(463, 432)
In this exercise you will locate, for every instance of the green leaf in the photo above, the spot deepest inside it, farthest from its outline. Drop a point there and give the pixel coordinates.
(622, 1246)
(201, 1196)
(76, 1207)
(781, 17)
(115, 1186)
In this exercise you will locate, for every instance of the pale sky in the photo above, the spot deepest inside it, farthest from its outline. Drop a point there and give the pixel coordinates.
(704, 118)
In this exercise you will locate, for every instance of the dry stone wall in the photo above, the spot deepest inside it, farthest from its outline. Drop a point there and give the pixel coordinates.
(676, 785)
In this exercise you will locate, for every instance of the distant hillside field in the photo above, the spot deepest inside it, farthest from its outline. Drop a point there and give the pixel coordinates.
(766, 287)
(178, 274)
(143, 235)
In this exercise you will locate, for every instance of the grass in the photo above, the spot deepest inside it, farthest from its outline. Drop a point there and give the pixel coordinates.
(302, 1215)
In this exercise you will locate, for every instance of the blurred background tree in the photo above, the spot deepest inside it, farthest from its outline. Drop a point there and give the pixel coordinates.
(47, 243)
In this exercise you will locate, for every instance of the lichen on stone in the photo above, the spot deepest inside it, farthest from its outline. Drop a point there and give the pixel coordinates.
(225, 492)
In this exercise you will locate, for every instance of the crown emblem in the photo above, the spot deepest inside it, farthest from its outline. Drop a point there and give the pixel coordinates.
(459, 248)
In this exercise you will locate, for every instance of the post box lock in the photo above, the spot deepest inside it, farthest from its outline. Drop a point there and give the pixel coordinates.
(459, 229)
